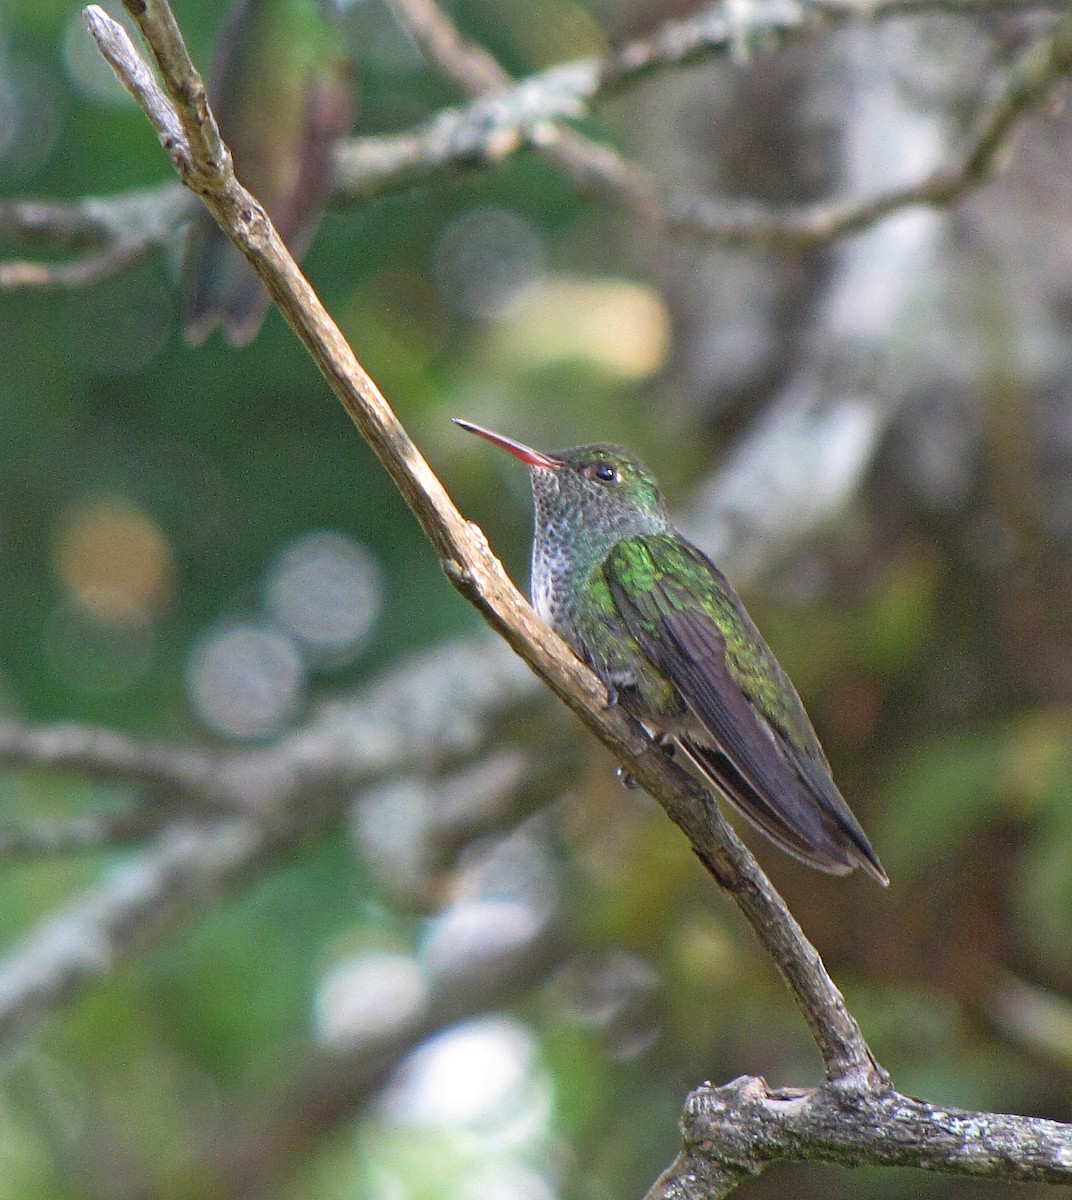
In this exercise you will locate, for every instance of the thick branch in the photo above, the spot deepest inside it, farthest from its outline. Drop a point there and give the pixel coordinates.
(733, 1132)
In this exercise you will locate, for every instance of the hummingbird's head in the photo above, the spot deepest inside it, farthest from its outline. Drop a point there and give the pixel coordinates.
(602, 490)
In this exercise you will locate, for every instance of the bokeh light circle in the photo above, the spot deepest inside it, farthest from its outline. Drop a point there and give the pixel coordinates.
(326, 591)
(483, 1076)
(246, 680)
(31, 119)
(484, 261)
(367, 996)
(122, 325)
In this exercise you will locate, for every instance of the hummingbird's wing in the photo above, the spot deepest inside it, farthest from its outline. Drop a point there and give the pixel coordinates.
(761, 752)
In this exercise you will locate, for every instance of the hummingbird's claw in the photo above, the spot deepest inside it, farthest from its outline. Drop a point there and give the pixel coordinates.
(627, 780)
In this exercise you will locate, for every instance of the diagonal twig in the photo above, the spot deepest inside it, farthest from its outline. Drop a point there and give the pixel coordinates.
(474, 570)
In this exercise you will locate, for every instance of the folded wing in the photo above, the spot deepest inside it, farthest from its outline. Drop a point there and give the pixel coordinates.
(754, 740)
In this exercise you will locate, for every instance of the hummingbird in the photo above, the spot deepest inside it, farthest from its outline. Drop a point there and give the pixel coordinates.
(282, 90)
(664, 630)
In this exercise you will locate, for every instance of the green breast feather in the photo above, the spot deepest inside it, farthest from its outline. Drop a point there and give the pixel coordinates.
(614, 653)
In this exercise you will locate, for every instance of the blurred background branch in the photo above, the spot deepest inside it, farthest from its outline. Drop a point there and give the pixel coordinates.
(507, 116)
(423, 713)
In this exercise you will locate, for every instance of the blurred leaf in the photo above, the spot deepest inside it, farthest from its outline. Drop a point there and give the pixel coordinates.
(947, 787)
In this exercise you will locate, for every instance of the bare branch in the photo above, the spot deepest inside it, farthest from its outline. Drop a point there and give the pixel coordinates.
(1028, 82)
(508, 115)
(465, 63)
(441, 705)
(854, 1076)
(105, 755)
(124, 227)
(593, 167)
(865, 10)
(427, 709)
(733, 1132)
(119, 228)
(604, 172)
(134, 74)
(79, 272)
(93, 221)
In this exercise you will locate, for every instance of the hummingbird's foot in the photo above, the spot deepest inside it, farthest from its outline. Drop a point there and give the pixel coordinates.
(627, 780)
(663, 742)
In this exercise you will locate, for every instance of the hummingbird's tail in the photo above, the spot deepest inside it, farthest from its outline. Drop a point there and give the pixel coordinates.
(815, 827)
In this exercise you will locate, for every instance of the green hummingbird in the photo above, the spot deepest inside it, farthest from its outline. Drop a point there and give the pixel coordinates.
(282, 89)
(660, 624)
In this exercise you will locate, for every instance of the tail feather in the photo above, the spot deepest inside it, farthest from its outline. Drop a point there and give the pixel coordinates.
(820, 837)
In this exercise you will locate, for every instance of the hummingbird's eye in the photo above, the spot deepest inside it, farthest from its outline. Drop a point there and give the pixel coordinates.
(605, 472)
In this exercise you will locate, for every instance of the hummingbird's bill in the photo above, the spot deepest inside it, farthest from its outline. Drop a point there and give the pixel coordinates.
(530, 457)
